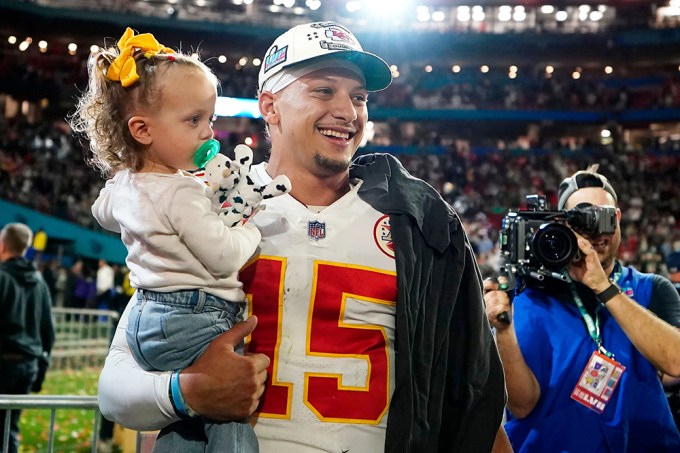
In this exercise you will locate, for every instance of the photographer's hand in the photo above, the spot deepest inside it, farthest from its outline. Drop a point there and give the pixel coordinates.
(523, 388)
(498, 307)
(587, 269)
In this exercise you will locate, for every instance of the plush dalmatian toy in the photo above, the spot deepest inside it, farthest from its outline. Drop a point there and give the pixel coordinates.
(233, 192)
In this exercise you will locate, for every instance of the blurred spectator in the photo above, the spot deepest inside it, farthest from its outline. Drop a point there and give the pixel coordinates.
(26, 330)
(105, 285)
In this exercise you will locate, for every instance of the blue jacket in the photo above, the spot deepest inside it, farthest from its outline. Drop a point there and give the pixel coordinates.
(556, 345)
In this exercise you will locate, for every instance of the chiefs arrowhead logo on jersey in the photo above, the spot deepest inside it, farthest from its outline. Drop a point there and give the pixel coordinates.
(382, 234)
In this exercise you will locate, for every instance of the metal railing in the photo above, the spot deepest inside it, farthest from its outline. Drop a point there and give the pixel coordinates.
(53, 403)
(83, 337)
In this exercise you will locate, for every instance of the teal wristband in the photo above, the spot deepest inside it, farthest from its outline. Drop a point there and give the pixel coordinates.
(181, 407)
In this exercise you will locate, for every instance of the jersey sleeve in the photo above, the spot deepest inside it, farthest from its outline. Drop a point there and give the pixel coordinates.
(128, 395)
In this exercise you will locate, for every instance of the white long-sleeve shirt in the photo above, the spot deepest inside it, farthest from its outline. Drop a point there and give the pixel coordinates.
(175, 239)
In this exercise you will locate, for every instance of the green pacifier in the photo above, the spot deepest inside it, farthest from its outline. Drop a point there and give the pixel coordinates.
(207, 151)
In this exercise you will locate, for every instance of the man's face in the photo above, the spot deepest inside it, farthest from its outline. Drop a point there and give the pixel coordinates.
(321, 120)
(606, 245)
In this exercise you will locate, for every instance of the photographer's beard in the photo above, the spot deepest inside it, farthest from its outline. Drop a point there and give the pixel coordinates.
(607, 248)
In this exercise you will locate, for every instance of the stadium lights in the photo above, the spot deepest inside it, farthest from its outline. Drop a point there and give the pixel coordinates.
(383, 8)
(312, 4)
(394, 70)
(438, 16)
(423, 13)
(520, 14)
(353, 6)
(463, 13)
(505, 13)
(25, 43)
(478, 14)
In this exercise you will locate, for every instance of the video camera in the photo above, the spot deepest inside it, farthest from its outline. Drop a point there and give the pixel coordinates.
(538, 243)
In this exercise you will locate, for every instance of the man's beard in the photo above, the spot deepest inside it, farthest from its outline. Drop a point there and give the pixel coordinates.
(332, 166)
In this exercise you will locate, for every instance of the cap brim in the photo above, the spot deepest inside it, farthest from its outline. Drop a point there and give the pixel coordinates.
(377, 73)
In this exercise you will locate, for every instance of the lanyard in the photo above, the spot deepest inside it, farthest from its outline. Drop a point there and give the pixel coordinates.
(593, 326)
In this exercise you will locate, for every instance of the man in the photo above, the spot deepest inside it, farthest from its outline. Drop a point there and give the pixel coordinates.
(26, 330)
(105, 285)
(581, 357)
(370, 323)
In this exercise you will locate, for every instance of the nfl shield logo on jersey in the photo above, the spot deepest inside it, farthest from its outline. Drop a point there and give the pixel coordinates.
(316, 230)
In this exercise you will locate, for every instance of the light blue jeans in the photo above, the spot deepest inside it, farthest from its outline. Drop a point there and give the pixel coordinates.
(167, 332)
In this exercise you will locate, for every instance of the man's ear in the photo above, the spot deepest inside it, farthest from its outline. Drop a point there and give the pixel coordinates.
(139, 129)
(268, 109)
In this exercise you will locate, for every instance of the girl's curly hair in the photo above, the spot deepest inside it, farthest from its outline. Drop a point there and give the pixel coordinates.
(104, 108)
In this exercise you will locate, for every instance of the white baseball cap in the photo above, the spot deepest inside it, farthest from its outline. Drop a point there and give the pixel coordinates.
(311, 43)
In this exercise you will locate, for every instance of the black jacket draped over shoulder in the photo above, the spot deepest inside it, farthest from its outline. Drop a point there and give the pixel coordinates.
(449, 390)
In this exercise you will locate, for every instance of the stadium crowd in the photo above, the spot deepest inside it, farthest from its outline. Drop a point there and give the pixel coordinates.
(481, 183)
(57, 78)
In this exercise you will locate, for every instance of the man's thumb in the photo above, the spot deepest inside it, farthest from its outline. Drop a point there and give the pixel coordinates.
(239, 332)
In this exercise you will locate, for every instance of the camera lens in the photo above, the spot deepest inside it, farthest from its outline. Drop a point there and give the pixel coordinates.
(554, 245)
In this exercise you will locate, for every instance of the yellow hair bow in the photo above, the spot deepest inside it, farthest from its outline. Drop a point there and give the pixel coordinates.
(124, 67)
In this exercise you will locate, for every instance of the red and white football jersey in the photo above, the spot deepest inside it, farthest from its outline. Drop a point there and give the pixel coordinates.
(323, 287)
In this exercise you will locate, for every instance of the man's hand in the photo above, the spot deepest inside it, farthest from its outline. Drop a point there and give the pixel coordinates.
(587, 269)
(222, 385)
(497, 302)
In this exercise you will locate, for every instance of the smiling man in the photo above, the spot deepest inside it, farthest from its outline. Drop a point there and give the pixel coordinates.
(583, 357)
(367, 295)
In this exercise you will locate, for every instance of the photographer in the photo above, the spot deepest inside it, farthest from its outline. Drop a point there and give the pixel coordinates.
(583, 355)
